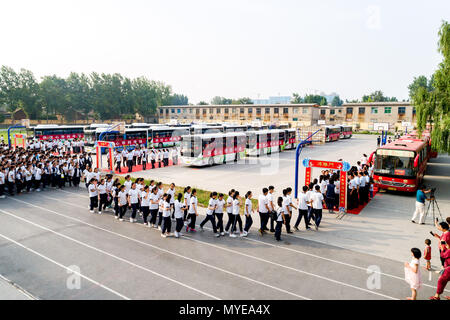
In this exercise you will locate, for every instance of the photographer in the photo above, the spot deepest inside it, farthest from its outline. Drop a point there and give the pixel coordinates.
(420, 204)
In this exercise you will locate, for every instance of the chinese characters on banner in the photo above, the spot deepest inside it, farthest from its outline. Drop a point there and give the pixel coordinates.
(307, 176)
(129, 142)
(343, 191)
(61, 136)
(168, 139)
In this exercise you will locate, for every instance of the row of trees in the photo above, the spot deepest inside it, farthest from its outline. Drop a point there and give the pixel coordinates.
(432, 96)
(105, 96)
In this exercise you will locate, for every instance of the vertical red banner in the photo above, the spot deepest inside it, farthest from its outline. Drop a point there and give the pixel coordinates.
(97, 156)
(343, 191)
(307, 176)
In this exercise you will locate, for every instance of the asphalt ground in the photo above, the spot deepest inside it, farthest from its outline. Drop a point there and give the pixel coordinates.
(50, 239)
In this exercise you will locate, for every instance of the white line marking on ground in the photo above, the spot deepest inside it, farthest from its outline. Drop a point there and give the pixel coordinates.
(170, 252)
(64, 267)
(298, 251)
(19, 288)
(111, 255)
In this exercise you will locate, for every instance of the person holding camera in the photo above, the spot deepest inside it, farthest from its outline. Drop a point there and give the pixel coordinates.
(420, 205)
(443, 238)
(445, 273)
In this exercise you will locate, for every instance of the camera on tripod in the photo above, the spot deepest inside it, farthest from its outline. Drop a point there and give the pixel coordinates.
(432, 190)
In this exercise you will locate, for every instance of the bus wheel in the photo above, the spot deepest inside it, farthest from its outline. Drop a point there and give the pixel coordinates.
(211, 162)
(160, 145)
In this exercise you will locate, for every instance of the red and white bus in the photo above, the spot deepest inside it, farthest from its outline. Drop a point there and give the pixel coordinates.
(332, 133)
(401, 164)
(55, 132)
(346, 131)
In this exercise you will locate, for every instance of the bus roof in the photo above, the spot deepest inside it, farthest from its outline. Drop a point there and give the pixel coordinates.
(54, 126)
(216, 135)
(409, 145)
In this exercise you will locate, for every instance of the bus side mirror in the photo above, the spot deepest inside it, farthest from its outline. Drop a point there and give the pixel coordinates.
(371, 158)
(416, 161)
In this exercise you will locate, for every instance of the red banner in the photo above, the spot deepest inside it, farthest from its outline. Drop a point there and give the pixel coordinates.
(219, 152)
(325, 164)
(129, 142)
(292, 140)
(343, 190)
(168, 139)
(61, 136)
(307, 176)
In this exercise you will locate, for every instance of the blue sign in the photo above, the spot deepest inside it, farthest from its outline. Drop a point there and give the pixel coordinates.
(305, 162)
(346, 166)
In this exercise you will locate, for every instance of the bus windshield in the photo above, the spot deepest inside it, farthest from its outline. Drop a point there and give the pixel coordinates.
(394, 162)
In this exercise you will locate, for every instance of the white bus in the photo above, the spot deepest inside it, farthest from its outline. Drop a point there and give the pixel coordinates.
(290, 139)
(162, 136)
(209, 149)
(264, 142)
(206, 129)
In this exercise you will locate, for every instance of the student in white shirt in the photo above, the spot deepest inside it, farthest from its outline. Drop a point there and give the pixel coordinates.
(263, 209)
(187, 199)
(317, 205)
(154, 206)
(161, 209)
(220, 204)
(2, 183)
(179, 215)
(103, 196)
(210, 214)
(236, 214)
(248, 210)
(229, 208)
(123, 202)
(167, 222)
(287, 211)
(192, 213)
(127, 183)
(93, 194)
(271, 205)
(302, 209)
(145, 204)
(280, 219)
(171, 191)
(133, 201)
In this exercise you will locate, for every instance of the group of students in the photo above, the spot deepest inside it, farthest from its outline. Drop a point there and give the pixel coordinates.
(140, 155)
(38, 166)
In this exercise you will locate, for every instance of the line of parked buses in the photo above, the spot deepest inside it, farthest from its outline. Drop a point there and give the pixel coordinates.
(398, 166)
(200, 144)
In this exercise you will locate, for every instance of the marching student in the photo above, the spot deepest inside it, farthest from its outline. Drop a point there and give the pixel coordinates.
(210, 214)
(144, 158)
(229, 206)
(145, 204)
(263, 209)
(171, 192)
(166, 157)
(129, 157)
(133, 201)
(128, 183)
(218, 212)
(317, 206)
(236, 214)
(287, 209)
(103, 196)
(118, 159)
(187, 199)
(11, 180)
(280, 219)
(154, 206)
(167, 222)
(192, 213)
(152, 158)
(115, 195)
(123, 202)
(28, 177)
(161, 209)
(2, 183)
(248, 213)
(179, 215)
(302, 209)
(271, 205)
(93, 194)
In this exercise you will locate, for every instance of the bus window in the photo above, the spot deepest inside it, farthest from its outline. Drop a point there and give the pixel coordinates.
(394, 162)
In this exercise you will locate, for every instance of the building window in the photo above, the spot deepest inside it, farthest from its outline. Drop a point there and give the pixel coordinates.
(285, 110)
(361, 110)
(275, 110)
(323, 111)
(190, 110)
(258, 110)
(374, 110)
(211, 110)
(218, 110)
(349, 110)
(414, 111)
(267, 111)
(250, 110)
(197, 111)
(226, 110)
(387, 109)
(295, 119)
(161, 111)
(401, 110)
(332, 111)
(178, 110)
(172, 110)
(295, 110)
(204, 111)
(305, 110)
(242, 110)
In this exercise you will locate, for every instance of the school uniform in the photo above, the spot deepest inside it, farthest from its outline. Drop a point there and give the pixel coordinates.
(123, 203)
(263, 211)
(167, 222)
(302, 210)
(76, 176)
(134, 201)
(191, 213)
(144, 158)
(187, 198)
(103, 197)
(179, 216)
(154, 206)
(11, 182)
(286, 212)
(145, 205)
(236, 217)
(317, 199)
(152, 159)
(130, 161)
(271, 209)
(210, 215)
(219, 214)
(248, 215)
(2, 185)
(93, 197)
(279, 224)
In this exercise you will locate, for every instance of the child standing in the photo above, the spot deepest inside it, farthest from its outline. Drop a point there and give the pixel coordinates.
(427, 254)
(412, 273)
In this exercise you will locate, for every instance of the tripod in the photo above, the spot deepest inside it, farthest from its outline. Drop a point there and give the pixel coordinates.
(433, 204)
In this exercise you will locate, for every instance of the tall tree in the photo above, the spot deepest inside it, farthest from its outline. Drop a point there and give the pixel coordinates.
(296, 98)
(220, 101)
(337, 102)
(433, 101)
(179, 100)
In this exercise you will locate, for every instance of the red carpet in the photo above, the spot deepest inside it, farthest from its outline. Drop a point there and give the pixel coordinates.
(361, 207)
(139, 168)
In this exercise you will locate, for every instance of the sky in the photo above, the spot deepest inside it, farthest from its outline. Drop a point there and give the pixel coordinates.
(230, 48)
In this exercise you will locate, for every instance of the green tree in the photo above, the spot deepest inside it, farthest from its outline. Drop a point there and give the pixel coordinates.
(314, 98)
(203, 103)
(432, 102)
(337, 102)
(378, 96)
(179, 100)
(220, 101)
(242, 101)
(296, 98)
(53, 95)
